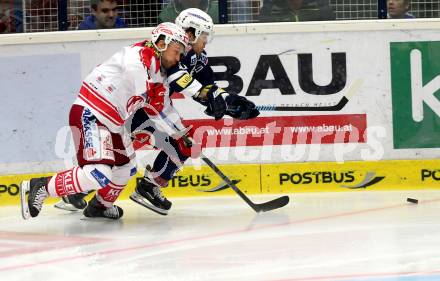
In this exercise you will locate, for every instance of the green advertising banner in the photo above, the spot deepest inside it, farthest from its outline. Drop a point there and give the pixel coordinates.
(415, 82)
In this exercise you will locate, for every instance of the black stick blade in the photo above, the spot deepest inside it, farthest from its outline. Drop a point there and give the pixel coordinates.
(272, 205)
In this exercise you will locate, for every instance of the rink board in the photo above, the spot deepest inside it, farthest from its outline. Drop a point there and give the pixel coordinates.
(352, 176)
(320, 85)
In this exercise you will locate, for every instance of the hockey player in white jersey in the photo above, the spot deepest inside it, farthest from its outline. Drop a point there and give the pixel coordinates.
(194, 78)
(133, 78)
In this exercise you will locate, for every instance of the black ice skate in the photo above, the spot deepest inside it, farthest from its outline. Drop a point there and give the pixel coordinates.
(73, 202)
(150, 196)
(97, 210)
(36, 193)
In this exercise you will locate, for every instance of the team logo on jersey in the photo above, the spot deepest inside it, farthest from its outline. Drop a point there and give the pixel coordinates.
(193, 60)
(133, 103)
(90, 153)
(203, 59)
(184, 80)
(107, 145)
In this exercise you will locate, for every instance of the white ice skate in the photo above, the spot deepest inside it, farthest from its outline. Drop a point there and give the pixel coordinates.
(65, 206)
(24, 188)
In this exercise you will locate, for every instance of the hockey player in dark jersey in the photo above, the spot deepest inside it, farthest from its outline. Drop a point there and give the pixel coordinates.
(194, 78)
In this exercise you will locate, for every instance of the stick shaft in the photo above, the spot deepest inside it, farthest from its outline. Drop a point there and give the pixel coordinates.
(228, 181)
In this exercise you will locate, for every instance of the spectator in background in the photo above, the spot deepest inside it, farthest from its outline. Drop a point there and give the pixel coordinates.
(75, 14)
(172, 10)
(105, 15)
(398, 9)
(296, 10)
(11, 16)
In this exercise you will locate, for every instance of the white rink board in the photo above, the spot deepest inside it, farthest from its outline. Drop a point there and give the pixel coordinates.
(37, 105)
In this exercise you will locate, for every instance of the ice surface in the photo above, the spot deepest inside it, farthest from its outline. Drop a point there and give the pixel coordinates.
(319, 236)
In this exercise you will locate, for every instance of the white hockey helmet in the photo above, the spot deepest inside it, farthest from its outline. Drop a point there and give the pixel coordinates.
(171, 33)
(197, 19)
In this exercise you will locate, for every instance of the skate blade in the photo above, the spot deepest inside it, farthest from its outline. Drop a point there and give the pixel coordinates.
(65, 206)
(98, 219)
(24, 188)
(141, 201)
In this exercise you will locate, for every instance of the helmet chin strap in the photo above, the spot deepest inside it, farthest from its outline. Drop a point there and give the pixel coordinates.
(162, 67)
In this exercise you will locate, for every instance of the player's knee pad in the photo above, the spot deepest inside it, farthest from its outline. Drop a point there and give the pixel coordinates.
(122, 174)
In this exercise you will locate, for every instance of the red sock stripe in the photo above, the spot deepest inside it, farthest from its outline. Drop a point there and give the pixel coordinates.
(110, 192)
(78, 185)
(65, 183)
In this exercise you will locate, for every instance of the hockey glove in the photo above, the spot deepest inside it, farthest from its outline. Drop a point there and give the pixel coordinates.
(142, 139)
(155, 98)
(239, 107)
(216, 105)
(186, 144)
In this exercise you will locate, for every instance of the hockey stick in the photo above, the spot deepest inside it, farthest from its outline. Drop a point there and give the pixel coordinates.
(262, 207)
(335, 107)
(353, 89)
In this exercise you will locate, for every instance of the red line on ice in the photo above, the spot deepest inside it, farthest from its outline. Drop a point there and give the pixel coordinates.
(177, 241)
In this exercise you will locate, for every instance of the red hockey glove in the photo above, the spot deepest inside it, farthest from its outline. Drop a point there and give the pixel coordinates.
(142, 139)
(155, 98)
(187, 146)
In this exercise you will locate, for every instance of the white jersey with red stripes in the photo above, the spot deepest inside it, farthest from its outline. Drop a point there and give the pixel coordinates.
(117, 88)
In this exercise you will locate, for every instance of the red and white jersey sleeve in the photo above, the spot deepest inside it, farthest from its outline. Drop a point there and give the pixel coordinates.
(169, 120)
(117, 88)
